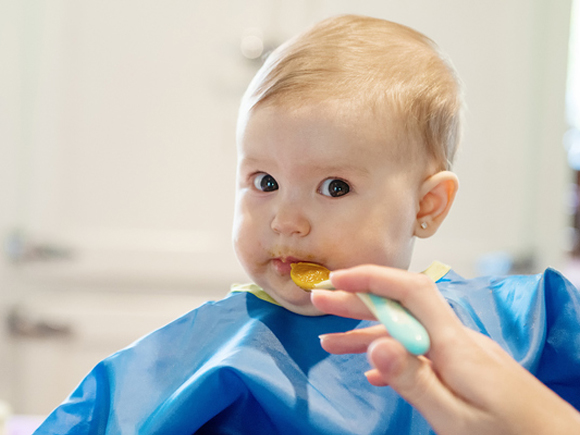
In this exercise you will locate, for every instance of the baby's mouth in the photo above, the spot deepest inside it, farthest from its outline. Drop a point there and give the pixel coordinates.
(283, 265)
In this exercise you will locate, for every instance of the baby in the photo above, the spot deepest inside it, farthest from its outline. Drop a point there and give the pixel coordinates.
(345, 140)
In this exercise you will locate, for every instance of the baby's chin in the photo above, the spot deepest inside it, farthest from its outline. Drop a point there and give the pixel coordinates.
(305, 310)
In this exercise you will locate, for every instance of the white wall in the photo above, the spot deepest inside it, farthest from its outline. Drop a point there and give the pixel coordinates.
(10, 105)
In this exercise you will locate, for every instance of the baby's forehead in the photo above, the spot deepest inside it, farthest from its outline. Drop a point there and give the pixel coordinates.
(345, 116)
(340, 126)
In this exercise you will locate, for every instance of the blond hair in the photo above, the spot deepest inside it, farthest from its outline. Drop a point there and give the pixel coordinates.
(371, 63)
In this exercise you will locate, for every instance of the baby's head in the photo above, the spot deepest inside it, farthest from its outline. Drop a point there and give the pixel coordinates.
(345, 138)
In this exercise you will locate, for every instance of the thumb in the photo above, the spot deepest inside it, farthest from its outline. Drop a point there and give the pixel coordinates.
(415, 381)
(394, 366)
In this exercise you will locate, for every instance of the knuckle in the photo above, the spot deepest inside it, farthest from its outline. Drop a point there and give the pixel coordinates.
(422, 280)
(414, 287)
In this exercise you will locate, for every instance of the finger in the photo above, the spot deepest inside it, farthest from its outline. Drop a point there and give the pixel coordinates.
(388, 358)
(416, 381)
(355, 341)
(375, 378)
(392, 362)
(417, 292)
(340, 303)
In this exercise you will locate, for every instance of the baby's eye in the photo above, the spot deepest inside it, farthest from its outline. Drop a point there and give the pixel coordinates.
(265, 182)
(334, 187)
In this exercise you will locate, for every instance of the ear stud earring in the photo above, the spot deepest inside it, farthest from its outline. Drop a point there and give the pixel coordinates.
(424, 225)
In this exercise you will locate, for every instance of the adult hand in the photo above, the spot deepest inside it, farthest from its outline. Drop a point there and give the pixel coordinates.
(465, 384)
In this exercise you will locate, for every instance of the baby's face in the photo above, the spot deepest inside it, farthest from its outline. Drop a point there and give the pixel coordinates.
(317, 188)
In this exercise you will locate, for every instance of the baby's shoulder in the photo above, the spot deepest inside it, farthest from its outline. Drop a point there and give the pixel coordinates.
(198, 324)
(550, 281)
(232, 307)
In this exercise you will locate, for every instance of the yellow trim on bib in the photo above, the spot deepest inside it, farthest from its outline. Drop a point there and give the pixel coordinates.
(436, 271)
(255, 290)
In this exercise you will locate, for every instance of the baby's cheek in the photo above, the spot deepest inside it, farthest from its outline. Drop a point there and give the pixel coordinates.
(250, 253)
(370, 248)
(243, 248)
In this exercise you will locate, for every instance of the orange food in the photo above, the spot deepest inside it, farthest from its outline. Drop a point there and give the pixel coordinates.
(306, 275)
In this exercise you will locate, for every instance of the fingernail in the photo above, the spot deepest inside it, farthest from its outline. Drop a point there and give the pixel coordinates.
(323, 337)
(334, 274)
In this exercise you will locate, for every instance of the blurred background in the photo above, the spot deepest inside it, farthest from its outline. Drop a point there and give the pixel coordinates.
(117, 159)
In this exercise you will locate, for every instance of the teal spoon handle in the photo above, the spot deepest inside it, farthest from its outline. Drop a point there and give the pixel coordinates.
(400, 323)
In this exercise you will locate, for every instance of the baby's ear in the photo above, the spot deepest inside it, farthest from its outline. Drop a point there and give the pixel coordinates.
(436, 197)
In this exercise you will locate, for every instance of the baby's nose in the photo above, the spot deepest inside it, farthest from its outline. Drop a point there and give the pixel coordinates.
(290, 220)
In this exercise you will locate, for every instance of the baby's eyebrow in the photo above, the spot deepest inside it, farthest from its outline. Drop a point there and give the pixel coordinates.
(346, 168)
(330, 169)
(252, 160)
